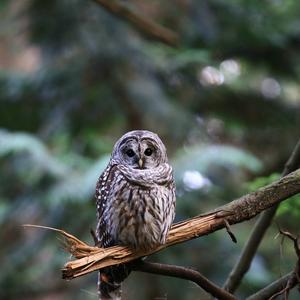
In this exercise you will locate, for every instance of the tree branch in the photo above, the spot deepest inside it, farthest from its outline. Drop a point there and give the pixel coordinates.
(92, 258)
(260, 227)
(286, 283)
(294, 161)
(184, 273)
(142, 23)
(271, 289)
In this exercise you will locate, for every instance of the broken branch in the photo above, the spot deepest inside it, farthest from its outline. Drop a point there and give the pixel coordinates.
(90, 259)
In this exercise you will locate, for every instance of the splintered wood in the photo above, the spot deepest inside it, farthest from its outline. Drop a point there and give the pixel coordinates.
(96, 258)
(91, 258)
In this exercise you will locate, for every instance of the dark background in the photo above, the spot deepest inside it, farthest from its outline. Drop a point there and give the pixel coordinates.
(74, 78)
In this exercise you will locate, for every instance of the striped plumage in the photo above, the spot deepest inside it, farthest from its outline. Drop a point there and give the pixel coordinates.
(135, 198)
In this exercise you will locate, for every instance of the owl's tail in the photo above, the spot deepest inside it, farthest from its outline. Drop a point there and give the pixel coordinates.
(110, 281)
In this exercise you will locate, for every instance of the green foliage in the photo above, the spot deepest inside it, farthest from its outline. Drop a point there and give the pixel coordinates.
(203, 157)
(34, 153)
(261, 181)
(289, 208)
(72, 179)
(3, 4)
(74, 78)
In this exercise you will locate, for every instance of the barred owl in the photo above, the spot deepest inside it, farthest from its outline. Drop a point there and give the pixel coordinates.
(135, 198)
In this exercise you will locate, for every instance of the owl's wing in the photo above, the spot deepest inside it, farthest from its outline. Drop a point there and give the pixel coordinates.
(110, 278)
(102, 192)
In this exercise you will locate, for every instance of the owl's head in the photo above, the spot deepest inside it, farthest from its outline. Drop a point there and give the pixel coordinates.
(140, 149)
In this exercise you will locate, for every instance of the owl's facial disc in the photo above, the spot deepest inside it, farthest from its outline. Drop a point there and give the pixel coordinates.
(141, 153)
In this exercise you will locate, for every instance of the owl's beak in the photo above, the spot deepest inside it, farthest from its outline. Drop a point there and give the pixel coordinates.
(141, 163)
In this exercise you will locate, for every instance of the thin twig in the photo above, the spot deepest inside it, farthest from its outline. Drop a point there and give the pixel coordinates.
(295, 277)
(71, 243)
(286, 283)
(229, 231)
(183, 273)
(142, 23)
(271, 289)
(243, 264)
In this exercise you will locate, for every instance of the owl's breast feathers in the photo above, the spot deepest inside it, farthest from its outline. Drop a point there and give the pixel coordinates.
(140, 205)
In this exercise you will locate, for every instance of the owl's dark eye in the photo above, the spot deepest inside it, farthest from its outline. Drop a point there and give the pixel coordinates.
(148, 151)
(130, 152)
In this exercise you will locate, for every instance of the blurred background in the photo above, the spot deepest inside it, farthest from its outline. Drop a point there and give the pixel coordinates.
(74, 78)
